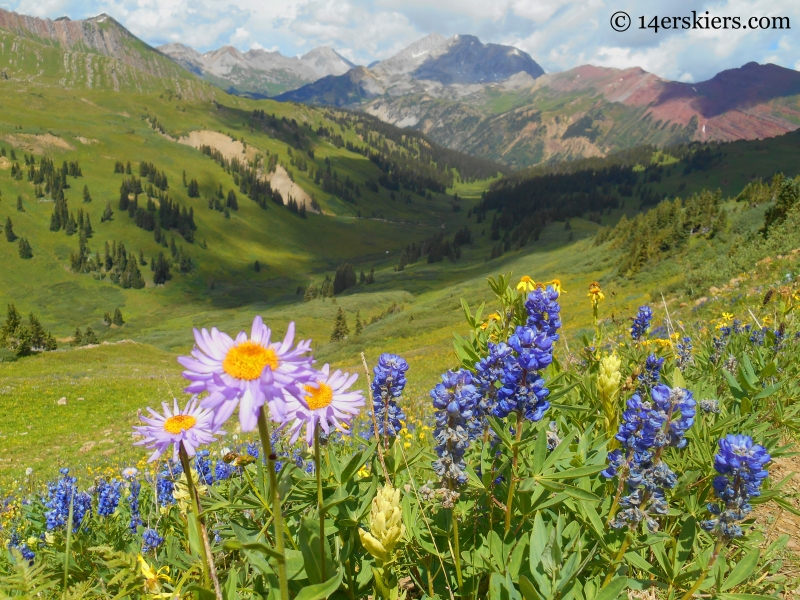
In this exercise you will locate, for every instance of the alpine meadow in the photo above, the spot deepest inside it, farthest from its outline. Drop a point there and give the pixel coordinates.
(446, 327)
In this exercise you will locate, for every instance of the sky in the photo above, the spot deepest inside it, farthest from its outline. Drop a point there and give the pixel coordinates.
(558, 34)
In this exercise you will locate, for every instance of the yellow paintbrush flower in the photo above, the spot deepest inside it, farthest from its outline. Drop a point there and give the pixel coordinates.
(385, 523)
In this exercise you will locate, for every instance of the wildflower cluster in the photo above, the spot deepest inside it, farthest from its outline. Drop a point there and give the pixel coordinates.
(646, 429)
(741, 466)
(60, 495)
(387, 386)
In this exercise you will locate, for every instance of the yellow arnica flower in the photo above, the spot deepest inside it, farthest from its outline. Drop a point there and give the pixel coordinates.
(727, 316)
(385, 523)
(556, 285)
(595, 293)
(153, 578)
(526, 284)
(492, 317)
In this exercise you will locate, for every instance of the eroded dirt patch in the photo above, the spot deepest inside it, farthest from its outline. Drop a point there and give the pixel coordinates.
(37, 143)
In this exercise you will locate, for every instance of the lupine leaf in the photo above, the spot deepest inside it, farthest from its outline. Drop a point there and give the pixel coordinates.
(743, 569)
(320, 591)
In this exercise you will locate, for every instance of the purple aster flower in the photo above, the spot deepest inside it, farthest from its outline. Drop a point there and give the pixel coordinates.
(192, 427)
(246, 372)
(326, 403)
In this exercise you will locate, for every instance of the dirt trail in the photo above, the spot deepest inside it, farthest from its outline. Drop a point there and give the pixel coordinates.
(776, 520)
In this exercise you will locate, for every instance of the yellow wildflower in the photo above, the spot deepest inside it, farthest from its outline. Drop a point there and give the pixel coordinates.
(492, 317)
(608, 381)
(727, 316)
(526, 284)
(556, 285)
(153, 578)
(767, 320)
(385, 523)
(595, 294)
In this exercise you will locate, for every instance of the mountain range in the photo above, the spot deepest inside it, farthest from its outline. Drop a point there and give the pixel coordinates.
(488, 100)
(258, 73)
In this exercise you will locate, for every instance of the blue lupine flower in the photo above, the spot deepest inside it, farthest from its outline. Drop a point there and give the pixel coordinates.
(223, 470)
(544, 312)
(151, 540)
(455, 400)
(202, 464)
(740, 464)
(683, 356)
(253, 450)
(651, 374)
(108, 493)
(165, 484)
(641, 323)
(60, 493)
(27, 553)
(644, 430)
(488, 372)
(133, 504)
(677, 406)
(534, 350)
(387, 386)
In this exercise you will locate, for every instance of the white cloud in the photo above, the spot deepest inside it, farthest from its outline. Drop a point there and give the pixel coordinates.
(559, 34)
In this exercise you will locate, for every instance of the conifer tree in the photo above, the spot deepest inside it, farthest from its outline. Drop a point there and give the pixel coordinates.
(25, 250)
(128, 168)
(20, 208)
(89, 337)
(231, 201)
(118, 320)
(161, 271)
(37, 333)
(86, 196)
(77, 338)
(340, 330)
(124, 202)
(13, 320)
(87, 227)
(371, 276)
(106, 319)
(359, 324)
(107, 213)
(142, 261)
(257, 267)
(10, 235)
(184, 178)
(72, 226)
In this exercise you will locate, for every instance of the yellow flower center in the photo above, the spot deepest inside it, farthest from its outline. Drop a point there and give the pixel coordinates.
(248, 359)
(179, 423)
(318, 397)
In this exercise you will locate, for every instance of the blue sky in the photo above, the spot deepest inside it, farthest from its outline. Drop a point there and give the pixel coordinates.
(558, 34)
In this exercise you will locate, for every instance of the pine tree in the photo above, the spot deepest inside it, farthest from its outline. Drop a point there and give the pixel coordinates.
(77, 338)
(184, 178)
(142, 261)
(124, 201)
(25, 250)
(72, 226)
(359, 325)
(161, 272)
(13, 320)
(371, 276)
(89, 337)
(87, 227)
(257, 267)
(10, 235)
(118, 321)
(20, 208)
(106, 319)
(231, 201)
(128, 168)
(107, 213)
(38, 334)
(86, 196)
(340, 330)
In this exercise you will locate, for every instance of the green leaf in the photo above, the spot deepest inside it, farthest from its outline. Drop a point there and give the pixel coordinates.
(769, 391)
(685, 543)
(257, 546)
(230, 587)
(473, 480)
(574, 473)
(743, 570)
(528, 591)
(570, 490)
(677, 379)
(310, 547)
(744, 597)
(613, 589)
(202, 593)
(320, 591)
(501, 431)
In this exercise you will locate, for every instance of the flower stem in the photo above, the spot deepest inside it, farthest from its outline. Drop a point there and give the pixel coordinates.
(318, 469)
(266, 445)
(714, 556)
(513, 484)
(613, 567)
(456, 548)
(69, 540)
(209, 570)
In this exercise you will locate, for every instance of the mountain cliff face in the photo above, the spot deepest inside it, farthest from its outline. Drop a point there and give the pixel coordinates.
(590, 111)
(433, 65)
(258, 73)
(96, 52)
